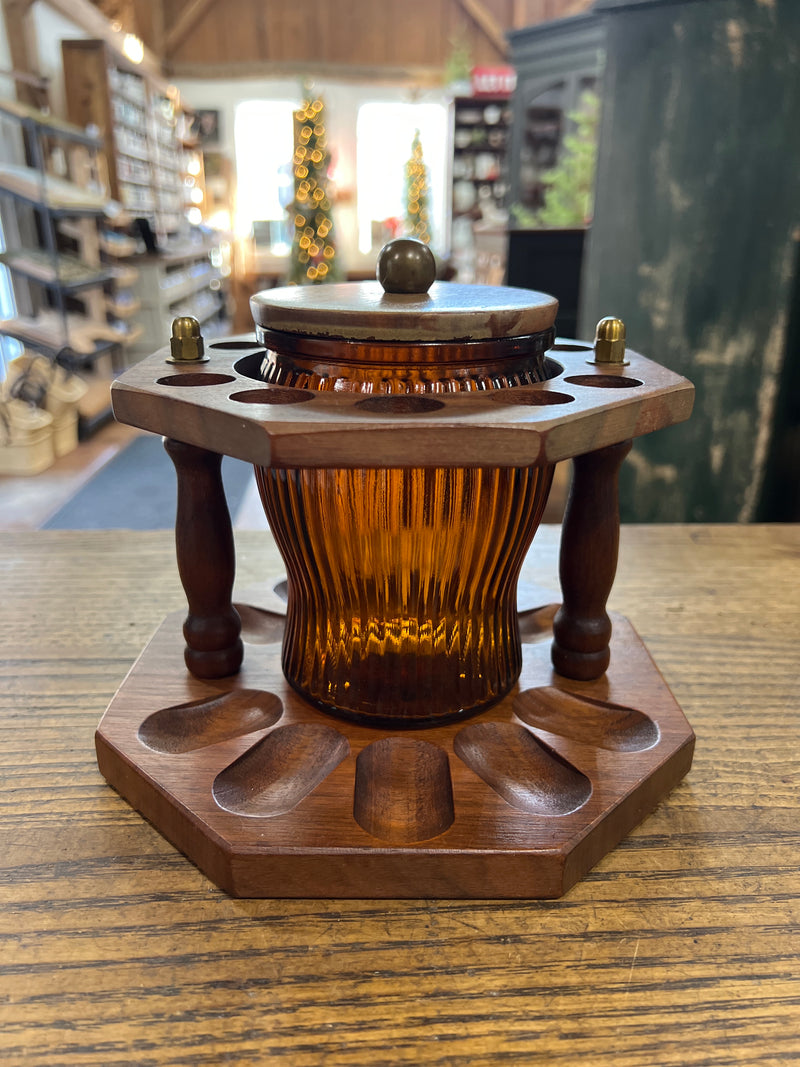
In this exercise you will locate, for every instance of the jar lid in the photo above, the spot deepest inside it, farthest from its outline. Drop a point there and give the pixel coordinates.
(405, 304)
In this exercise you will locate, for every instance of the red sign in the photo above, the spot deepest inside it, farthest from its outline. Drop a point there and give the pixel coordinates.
(493, 81)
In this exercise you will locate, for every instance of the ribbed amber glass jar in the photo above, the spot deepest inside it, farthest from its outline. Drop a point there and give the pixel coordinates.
(402, 582)
(375, 367)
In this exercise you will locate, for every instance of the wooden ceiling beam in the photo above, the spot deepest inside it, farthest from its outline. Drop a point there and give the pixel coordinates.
(87, 16)
(486, 21)
(187, 20)
(419, 77)
(532, 12)
(157, 26)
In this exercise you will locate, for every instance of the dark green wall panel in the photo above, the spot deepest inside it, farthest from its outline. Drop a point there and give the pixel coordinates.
(695, 233)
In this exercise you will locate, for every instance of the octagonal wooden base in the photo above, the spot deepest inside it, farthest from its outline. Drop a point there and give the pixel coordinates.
(271, 798)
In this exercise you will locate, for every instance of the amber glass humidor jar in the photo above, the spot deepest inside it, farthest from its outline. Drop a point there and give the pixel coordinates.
(402, 581)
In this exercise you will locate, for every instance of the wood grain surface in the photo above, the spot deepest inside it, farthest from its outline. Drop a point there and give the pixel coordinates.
(448, 312)
(321, 806)
(205, 554)
(224, 406)
(682, 947)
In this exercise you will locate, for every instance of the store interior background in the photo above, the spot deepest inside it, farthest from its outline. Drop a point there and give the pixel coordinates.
(693, 238)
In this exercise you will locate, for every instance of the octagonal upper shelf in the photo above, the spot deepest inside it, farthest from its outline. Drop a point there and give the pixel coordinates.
(219, 405)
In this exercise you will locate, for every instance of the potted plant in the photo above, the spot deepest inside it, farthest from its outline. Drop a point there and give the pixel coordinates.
(546, 243)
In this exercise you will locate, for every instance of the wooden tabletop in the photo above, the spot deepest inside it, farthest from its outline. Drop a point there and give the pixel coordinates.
(682, 947)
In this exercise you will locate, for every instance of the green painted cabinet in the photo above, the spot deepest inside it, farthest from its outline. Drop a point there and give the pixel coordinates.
(695, 245)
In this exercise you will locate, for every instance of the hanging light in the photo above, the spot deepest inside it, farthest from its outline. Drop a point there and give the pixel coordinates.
(133, 48)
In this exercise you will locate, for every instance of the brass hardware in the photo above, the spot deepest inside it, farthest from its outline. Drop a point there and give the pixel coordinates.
(186, 343)
(609, 342)
(406, 265)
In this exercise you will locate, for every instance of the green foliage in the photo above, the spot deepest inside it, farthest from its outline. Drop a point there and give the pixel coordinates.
(459, 61)
(524, 216)
(569, 197)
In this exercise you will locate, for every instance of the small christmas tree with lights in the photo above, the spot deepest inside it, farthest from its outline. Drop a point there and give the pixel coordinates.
(313, 255)
(417, 219)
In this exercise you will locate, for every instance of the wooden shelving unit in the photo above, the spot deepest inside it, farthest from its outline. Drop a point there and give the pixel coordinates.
(141, 121)
(154, 172)
(52, 200)
(480, 141)
(184, 281)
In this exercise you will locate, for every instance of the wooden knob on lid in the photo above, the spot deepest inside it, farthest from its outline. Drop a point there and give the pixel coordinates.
(399, 307)
(406, 265)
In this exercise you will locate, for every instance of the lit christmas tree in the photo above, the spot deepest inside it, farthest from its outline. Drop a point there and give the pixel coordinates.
(313, 257)
(417, 221)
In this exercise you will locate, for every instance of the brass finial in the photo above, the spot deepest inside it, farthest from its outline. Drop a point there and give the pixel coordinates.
(406, 265)
(609, 341)
(186, 343)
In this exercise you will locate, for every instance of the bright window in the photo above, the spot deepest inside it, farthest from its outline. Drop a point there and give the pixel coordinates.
(264, 142)
(384, 136)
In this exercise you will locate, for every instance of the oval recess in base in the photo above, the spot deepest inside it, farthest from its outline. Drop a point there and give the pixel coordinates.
(199, 723)
(403, 791)
(587, 720)
(524, 772)
(537, 623)
(280, 770)
(259, 625)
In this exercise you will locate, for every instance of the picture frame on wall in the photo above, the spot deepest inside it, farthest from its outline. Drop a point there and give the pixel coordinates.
(205, 126)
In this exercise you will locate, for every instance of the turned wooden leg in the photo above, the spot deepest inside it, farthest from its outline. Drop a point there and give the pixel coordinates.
(588, 563)
(204, 543)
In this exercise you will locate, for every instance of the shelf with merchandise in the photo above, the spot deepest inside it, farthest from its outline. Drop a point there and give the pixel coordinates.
(67, 272)
(481, 129)
(139, 116)
(52, 200)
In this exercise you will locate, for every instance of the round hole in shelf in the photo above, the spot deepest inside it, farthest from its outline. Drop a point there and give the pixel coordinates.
(249, 366)
(199, 378)
(604, 381)
(235, 345)
(275, 395)
(530, 397)
(552, 368)
(571, 346)
(400, 404)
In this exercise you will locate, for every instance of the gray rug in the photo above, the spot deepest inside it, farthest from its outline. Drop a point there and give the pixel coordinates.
(136, 490)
